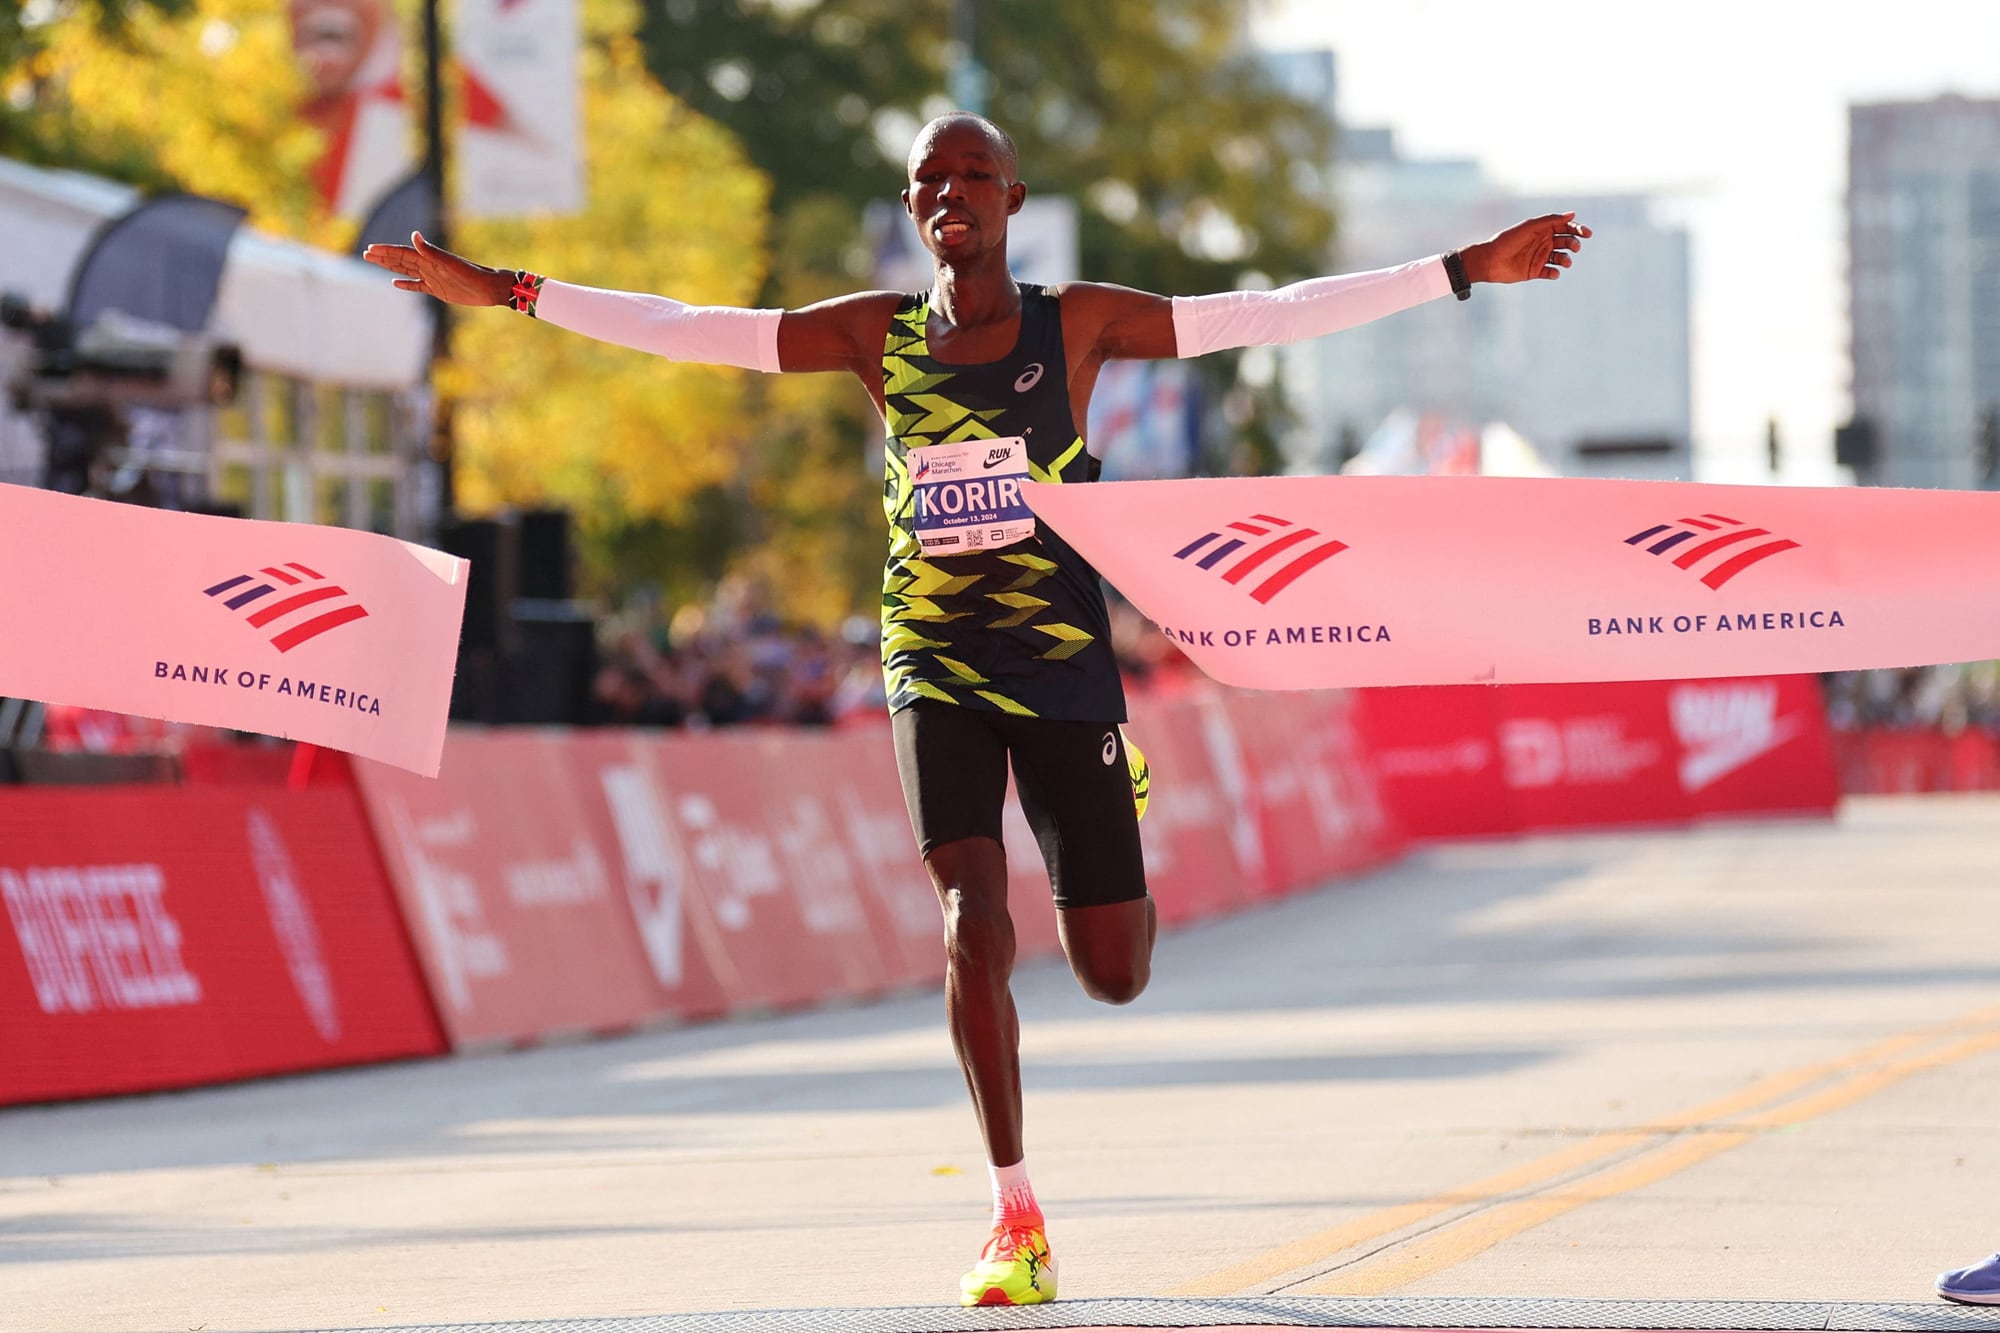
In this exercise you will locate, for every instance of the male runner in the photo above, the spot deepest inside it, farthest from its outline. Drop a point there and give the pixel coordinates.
(995, 638)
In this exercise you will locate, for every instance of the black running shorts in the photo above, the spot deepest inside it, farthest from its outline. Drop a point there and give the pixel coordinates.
(1071, 777)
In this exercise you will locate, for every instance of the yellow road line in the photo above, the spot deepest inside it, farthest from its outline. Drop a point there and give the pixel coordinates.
(1455, 1243)
(1553, 1167)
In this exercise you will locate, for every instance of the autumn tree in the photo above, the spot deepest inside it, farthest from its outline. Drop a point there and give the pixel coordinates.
(190, 94)
(642, 450)
(1189, 164)
(1190, 169)
(658, 461)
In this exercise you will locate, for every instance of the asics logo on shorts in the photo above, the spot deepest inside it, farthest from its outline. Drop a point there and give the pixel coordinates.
(1029, 378)
(1110, 748)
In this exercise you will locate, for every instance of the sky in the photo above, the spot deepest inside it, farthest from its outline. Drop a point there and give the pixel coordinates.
(1734, 114)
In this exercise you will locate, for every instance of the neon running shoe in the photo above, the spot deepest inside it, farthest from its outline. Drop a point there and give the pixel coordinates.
(1140, 772)
(1015, 1268)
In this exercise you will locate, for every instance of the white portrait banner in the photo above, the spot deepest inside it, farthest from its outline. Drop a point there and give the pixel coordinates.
(341, 638)
(519, 141)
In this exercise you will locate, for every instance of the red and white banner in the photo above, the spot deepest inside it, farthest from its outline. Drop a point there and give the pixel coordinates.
(1307, 582)
(1457, 761)
(158, 937)
(351, 55)
(537, 905)
(558, 882)
(342, 638)
(519, 145)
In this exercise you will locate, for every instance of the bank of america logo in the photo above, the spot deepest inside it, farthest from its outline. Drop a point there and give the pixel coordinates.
(296, 616)
(1716, 538)
(1250, 536)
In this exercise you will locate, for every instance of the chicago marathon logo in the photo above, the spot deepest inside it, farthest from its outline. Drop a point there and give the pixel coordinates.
(1719, 544)
(1261, 538)
(306, 604)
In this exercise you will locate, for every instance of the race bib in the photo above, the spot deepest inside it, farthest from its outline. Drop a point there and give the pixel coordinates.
(969, 495)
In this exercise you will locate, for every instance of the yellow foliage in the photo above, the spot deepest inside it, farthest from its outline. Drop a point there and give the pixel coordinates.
(543, 416)
(547, 416)
(210, 99)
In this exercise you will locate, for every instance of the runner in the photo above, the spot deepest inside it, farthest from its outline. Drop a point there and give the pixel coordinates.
(995, 637)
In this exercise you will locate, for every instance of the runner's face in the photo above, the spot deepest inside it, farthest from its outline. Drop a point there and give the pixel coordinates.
(961, 190)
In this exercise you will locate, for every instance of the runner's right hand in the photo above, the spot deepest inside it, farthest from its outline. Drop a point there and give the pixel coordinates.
(442, 274)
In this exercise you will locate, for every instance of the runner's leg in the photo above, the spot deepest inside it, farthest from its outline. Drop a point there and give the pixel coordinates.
(970, 876)
(1077, 795)
(954, 770)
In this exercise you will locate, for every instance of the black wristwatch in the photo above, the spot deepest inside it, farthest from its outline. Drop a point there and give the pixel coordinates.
(1454, 268)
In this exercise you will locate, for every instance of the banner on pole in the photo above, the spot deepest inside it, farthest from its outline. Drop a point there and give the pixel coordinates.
(518, 144)
(351, 54)
(345, 639)
(1312, 582)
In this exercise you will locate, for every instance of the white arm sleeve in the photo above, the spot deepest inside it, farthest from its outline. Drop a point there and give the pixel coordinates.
(1204, 324)
(710, 335)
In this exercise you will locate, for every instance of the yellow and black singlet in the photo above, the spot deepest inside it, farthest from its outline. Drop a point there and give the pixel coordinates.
(973, 613)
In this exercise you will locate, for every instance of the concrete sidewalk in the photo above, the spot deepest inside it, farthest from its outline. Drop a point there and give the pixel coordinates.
(1750, 1063)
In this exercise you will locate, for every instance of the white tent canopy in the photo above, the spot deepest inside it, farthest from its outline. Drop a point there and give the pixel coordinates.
(292, 309)
(1408, 444)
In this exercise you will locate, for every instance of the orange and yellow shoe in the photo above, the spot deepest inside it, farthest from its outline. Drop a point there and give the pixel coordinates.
(1015, 1268)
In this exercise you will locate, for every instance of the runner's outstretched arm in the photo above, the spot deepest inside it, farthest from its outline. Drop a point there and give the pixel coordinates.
(1138, 325)
(832, 335)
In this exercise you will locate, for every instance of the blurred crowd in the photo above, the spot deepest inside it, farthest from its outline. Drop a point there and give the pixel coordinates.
(1950, 699)
(733, 662)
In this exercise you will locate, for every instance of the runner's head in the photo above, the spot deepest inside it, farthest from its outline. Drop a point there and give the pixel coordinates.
(963, 186)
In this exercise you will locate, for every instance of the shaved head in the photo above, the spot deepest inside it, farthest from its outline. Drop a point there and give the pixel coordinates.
(999, 143)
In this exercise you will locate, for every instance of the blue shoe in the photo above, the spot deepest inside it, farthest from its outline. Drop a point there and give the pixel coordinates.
(1977, 1284)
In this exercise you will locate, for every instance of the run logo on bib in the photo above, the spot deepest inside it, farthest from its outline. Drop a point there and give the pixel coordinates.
(969, 497)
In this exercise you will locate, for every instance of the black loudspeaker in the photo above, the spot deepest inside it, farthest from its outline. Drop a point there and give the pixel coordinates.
(547, 561)
(553, 664)
(490, 546)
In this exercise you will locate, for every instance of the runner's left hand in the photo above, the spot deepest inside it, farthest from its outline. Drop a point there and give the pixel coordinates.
(1538, 248)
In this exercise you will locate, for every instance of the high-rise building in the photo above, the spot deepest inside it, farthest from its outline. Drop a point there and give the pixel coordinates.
(1593, 370)
(1923, 228)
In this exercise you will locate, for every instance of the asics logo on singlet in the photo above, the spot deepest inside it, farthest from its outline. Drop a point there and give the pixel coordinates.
(1110, 749)
(1029, 378)
(995, 457)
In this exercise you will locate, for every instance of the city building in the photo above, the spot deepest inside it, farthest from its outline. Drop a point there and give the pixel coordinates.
(1923, 227)
(1594, 372)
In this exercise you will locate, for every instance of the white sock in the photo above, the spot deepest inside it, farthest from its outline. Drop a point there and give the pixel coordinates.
(1013, 1196)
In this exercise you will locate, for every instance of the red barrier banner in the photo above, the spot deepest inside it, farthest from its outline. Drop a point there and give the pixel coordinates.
(1191, 864)
(510, 874)
(751, 810)
(1316, 800)
(1753, 746)
(867, 799)
(1435, 750)
(165, 937)
(1890, 760)
(1476, 760)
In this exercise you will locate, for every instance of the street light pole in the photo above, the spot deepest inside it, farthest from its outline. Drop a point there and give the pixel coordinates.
(966, 80)
(442, 443)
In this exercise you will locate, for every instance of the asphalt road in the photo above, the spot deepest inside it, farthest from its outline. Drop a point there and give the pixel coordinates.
(1752, 1061)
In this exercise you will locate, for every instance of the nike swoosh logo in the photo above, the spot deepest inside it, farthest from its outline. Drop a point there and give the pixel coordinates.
(1713, 762)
